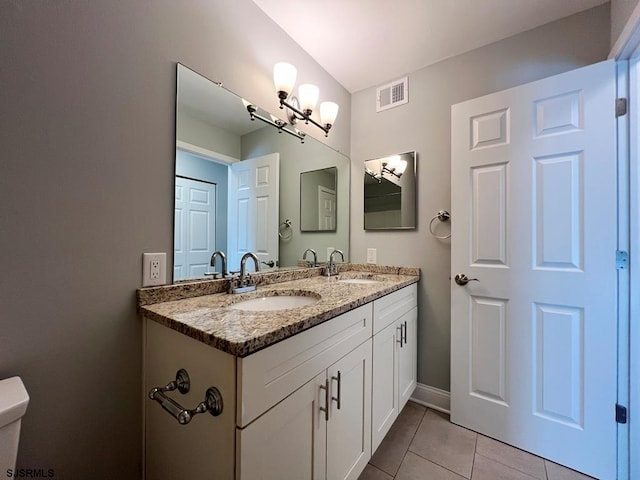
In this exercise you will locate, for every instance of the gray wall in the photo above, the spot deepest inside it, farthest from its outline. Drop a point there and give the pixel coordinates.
(621, 10)
(424, 125)
(87, 135)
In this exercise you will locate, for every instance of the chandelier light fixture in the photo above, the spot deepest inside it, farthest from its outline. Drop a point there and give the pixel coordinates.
(301, 107)
(281, 125)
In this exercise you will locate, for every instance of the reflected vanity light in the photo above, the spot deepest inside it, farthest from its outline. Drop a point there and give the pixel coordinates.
(281, 125)
(373, 174)
(390, 165)
(394, 166)
(284, 78)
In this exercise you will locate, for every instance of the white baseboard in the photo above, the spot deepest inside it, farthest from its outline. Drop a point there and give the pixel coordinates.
(432, 397)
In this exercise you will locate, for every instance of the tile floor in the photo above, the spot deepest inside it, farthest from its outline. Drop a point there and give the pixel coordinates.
(423, 445)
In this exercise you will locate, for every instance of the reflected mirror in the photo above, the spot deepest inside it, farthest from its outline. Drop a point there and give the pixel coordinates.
(390, 192)
(318, 200)
(237, 184)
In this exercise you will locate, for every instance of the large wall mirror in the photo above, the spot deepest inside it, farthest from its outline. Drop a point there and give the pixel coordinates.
(238, 184)
(390, 192)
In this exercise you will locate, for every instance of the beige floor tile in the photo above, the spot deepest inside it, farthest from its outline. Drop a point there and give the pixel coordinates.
(487, 469)
(417, 468)
(511, 456)
(444, 443)
(372, 473)
(391, 451)
(558, 472)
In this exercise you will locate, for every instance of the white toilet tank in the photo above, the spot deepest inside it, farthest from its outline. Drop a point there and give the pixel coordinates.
(13, 405)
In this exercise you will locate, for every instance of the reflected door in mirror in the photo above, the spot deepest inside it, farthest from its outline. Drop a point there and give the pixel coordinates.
(318, 200)
(195, 227)
(253, 209)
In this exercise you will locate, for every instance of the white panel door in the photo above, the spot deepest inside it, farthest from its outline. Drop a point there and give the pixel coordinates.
(533, 342)
(195, 228)
(326, 208)
(253, 209)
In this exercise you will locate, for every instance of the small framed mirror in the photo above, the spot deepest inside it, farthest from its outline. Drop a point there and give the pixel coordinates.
(390, 192)
(318, 200)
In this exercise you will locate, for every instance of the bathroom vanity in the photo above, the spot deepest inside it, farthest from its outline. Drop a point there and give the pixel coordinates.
(307, 391)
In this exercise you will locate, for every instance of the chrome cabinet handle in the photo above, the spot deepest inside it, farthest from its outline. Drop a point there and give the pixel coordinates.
(212, 402)
(462, 279)
(338, 398)
(401, 337)
(325, 409)
(404, 335)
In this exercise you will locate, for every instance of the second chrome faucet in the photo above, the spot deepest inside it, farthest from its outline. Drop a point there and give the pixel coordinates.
(332, 268)
(244, 282)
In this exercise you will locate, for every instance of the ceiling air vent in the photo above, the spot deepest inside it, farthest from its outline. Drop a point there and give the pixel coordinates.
(392, 94)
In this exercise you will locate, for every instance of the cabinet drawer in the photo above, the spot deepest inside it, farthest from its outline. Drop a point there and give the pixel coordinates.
(389, 308)
(268, 376)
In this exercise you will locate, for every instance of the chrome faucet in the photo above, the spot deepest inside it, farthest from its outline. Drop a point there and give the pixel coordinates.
(244, 283)
(332, 268)
(315, 256)
(223, 260)
(243, 262)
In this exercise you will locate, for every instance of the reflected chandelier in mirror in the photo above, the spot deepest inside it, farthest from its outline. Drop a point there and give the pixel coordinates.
(390, 192)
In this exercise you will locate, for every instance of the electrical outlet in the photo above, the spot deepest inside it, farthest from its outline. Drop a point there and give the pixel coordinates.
(154, 269)
(372, 255)
(154, 273)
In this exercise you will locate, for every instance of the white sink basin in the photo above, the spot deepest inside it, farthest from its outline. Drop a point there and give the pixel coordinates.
(358, 280)
(271, 303)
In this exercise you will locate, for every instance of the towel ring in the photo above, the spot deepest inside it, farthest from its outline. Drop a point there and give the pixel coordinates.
(443, 216)
(288, 231)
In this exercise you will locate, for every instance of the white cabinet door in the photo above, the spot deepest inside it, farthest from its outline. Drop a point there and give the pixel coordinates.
(394, 373)
(407, 357)
(289, 441)
(295, 440)
(349, 425)
(384, 396)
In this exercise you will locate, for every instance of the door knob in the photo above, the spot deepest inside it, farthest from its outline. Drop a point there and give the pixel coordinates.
(462, 279)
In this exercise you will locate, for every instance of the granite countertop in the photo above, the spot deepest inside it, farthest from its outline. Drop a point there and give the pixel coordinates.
(208, 318)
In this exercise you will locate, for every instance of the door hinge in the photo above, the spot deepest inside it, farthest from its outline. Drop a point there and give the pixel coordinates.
(622, 260)
(621, 107)
(621, 414)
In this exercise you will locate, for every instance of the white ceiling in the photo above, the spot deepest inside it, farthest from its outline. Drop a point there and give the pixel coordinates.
(363, 43)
